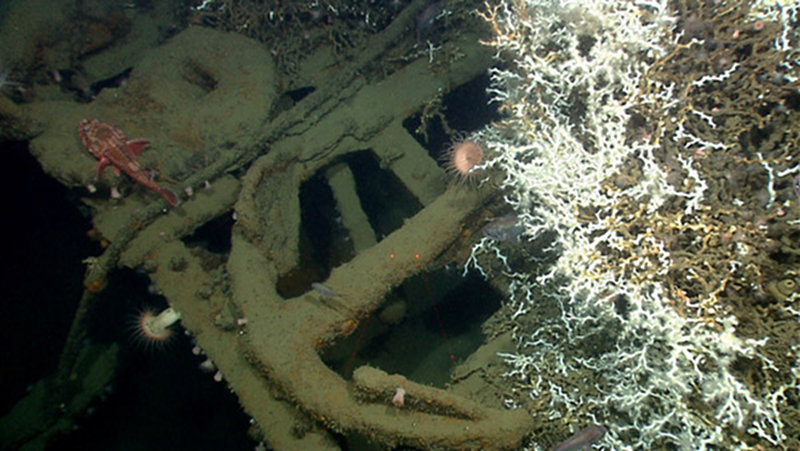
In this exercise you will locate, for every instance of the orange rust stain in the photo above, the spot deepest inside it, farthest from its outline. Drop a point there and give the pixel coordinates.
(96, 286)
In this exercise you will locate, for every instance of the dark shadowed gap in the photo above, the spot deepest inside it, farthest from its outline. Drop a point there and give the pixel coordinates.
(324, 243)
(213, 236)
(405, 337)
(43, 245)
(384, 198)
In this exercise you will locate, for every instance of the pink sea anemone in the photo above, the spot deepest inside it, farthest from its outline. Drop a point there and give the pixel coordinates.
(462, 158)
(399, 397)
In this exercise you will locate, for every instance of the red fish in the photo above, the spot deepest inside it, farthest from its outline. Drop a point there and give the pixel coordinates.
(109, 145)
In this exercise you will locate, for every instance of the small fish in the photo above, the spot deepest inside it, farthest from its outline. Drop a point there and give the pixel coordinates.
(579, 440)
(504, 228)
(331, 298)
(324, 291)
(426, 18)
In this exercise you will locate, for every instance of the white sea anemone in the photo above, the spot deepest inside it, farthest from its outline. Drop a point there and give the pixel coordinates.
(154, 329)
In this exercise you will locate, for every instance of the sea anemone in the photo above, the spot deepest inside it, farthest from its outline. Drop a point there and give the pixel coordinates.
(399, 398)
(154, 330)
(463, 158)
